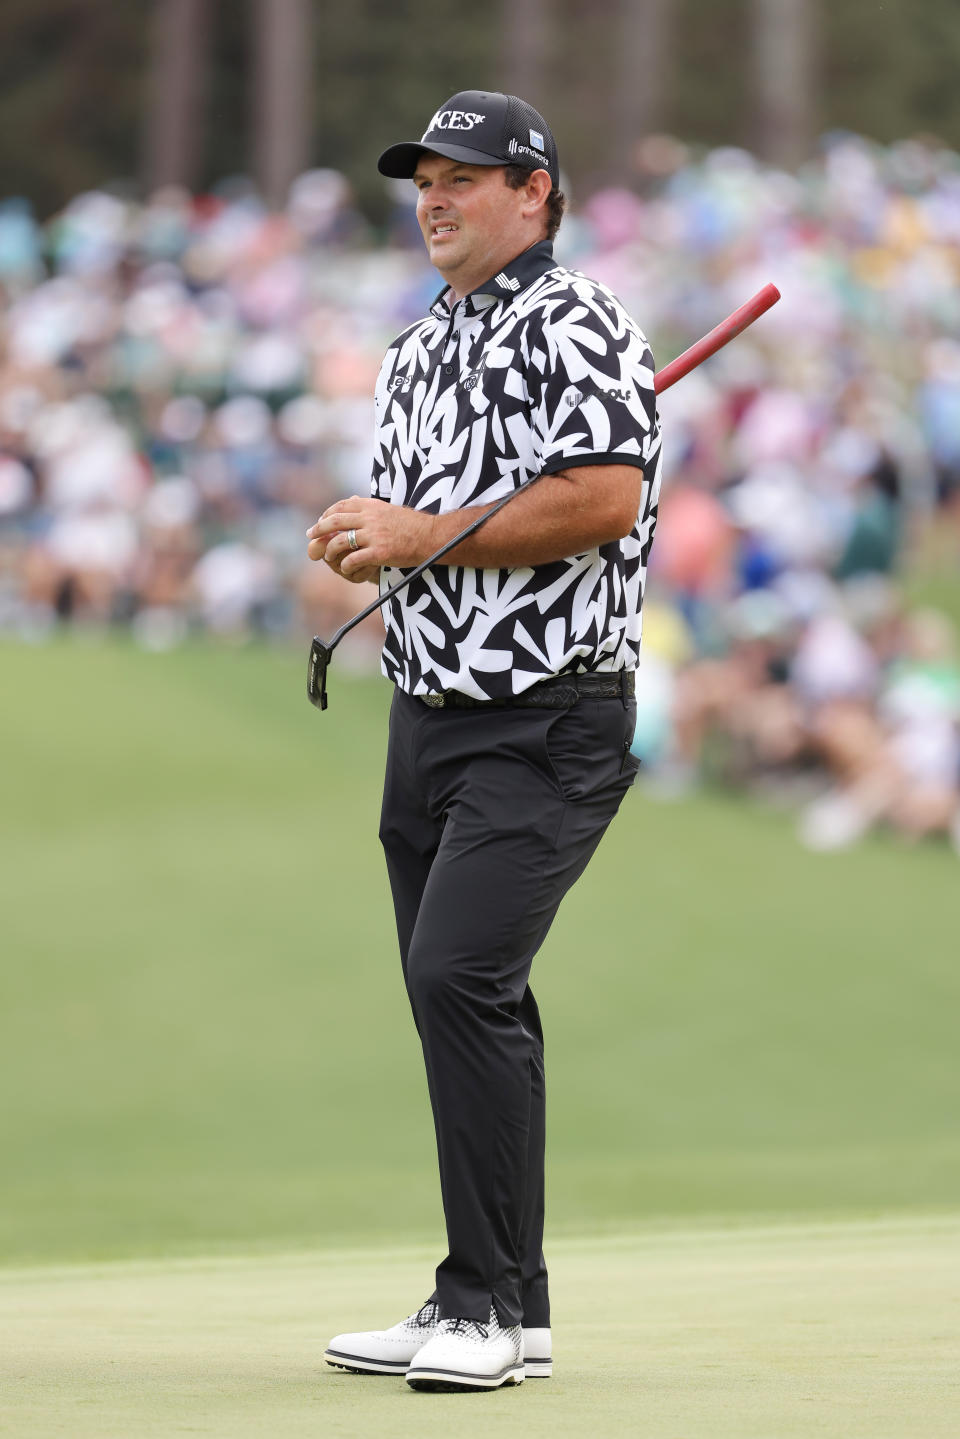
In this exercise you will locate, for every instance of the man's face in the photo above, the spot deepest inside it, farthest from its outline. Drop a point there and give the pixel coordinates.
(472, 223)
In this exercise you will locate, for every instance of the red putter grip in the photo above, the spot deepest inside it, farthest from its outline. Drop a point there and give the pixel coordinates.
(730, 327)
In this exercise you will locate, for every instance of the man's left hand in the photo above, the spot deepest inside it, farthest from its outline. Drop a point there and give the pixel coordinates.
(385, 535)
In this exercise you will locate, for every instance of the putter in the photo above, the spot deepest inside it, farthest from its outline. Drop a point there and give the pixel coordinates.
(321, 651)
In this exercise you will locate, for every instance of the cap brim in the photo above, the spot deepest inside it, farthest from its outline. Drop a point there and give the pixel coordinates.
(400, 161)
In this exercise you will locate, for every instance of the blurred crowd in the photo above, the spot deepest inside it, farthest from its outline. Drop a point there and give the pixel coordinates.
(186, 384)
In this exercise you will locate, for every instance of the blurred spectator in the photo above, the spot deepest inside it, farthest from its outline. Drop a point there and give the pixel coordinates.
(186, 383)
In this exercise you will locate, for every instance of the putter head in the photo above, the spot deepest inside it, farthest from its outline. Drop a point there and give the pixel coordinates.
(317, 673)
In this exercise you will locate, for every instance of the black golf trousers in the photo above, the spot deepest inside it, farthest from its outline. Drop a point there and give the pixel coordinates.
(489, 816)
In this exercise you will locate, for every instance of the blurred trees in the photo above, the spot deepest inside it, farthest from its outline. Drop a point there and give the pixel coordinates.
(175, 124)
(92, 91)
(282, 67)
(71, 72)
(526, 43)
(784, 79)
(643, 72)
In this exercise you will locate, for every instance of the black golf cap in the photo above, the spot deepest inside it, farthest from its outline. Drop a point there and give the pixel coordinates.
(480, 127)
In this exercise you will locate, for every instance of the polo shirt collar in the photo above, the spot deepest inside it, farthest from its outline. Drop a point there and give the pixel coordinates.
(520, 273)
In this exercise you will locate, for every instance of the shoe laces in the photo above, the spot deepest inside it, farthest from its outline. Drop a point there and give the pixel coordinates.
(463, 1326)
(427, 1315)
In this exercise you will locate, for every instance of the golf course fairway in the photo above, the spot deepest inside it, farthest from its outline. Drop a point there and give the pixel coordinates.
(215, 1135)
(837, 1330)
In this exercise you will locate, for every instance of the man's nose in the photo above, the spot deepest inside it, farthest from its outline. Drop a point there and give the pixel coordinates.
(438, 199)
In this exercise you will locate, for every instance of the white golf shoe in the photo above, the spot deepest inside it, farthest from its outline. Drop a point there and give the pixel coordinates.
(537, 1354)
(391, 1351)
(385, 1351)
(466, 1354)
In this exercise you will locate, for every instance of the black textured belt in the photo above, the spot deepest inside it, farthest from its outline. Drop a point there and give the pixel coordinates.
(555, 694)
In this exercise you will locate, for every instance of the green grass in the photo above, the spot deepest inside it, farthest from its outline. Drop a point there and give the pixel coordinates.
(204, 1042)
(843, 1331)
(932, 578)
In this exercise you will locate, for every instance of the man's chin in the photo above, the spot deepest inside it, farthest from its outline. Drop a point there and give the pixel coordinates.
(446, 253)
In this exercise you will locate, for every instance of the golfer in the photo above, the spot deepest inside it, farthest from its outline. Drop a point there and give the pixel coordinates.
(512, 665)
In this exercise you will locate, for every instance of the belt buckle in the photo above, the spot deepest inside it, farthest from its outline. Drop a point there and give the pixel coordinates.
(434, 700)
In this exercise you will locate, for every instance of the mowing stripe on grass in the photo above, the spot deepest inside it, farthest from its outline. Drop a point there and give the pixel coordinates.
(843, 1331)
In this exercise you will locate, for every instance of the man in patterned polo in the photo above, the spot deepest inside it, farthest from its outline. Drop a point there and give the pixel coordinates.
(513, 710)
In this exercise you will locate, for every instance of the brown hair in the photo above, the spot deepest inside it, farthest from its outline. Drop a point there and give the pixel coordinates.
(516, 176)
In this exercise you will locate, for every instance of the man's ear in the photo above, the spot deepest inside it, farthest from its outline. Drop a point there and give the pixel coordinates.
(538, 187)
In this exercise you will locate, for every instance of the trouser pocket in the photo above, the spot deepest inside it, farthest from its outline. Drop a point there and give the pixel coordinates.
(587, 746)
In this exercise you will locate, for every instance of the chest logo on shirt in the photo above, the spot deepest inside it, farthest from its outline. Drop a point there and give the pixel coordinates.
(472, 378)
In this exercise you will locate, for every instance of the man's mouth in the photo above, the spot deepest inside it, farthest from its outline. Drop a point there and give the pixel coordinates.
(444, 230)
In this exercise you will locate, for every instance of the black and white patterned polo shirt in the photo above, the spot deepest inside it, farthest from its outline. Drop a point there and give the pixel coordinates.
(538, 370)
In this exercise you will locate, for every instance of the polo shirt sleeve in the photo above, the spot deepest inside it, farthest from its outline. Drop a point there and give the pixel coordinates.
(591, 374)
